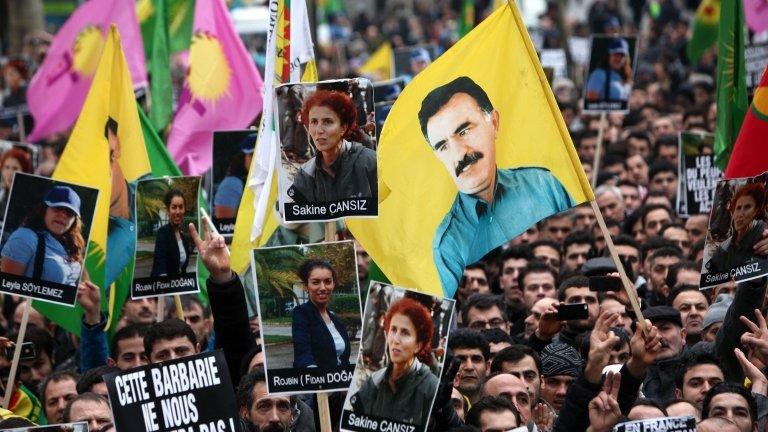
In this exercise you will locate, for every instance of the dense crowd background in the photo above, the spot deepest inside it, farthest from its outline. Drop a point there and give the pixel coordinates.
(703, 353)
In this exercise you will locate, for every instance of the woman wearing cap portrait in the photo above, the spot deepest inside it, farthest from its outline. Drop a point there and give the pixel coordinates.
(230, 190)
(49, 244)
(612, 79)
(747, 211)
(172, 246)
(342, 168)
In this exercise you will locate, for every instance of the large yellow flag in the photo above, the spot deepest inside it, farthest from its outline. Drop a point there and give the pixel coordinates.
(380, 64)
(473, 152)
(106, 151)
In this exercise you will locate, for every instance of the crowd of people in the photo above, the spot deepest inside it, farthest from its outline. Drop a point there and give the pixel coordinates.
(511, 362)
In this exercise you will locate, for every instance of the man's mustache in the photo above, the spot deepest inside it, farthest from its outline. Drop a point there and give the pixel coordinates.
(468, 160)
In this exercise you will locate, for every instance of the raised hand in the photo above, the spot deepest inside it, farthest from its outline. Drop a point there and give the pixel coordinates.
(757, 336)
(761, 247)
(213, 251)
(604, 411)
(601, 342)
(549, 326)
(645, 346)
(759, 382)
(89, 297)
(544, 417)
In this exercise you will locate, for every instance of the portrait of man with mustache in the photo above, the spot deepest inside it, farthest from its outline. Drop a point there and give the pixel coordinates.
(493, 204)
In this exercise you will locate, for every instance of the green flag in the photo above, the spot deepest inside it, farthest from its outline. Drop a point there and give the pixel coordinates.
(180, 16)
(159, 159)
(704, 32)
(731, 96)
(163, 165)
(161, 91)
(467, 17)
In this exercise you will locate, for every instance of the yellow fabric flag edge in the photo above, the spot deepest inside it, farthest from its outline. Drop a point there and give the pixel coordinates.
(552, 103)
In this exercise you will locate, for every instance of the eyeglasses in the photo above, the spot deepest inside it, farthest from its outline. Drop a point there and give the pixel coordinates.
(482, 325)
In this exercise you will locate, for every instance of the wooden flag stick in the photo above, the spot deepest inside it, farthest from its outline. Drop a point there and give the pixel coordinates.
(330, 231)
(598, 149)
(160, 308)
(179, 310)
(628, 286)
(323, 410)
(17, 355)
(22, 126)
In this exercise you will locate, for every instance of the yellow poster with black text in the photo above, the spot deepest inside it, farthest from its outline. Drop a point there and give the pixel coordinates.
(473, 152)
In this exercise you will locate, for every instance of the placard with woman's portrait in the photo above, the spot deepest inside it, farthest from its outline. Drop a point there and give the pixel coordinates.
(309, 311)
(736, 241)
(404, 341)
(45, 238)
(166, 257)
(327, 134)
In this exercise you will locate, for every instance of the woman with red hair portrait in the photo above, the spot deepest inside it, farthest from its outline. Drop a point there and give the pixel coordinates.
(14, 159)
(747, 210)
(341, 168)
(404, 389)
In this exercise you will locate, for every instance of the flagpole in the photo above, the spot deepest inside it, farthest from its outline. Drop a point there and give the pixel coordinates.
(629, 288)
(598, 150)
(22, 126)
(179, 310)
(160, 308)
(17, 355)
(323, 410)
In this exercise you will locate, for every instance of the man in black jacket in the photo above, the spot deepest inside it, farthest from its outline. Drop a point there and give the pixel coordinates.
(659, 383)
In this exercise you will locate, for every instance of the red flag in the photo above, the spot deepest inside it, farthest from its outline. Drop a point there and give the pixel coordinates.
(750, 152)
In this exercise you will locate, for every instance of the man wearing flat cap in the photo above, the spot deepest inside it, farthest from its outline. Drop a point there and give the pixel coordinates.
(659, 383)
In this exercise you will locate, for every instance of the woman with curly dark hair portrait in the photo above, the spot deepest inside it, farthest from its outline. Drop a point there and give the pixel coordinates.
(49, 245)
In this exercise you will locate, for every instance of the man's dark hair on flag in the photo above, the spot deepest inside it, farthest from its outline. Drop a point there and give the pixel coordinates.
(440, 96)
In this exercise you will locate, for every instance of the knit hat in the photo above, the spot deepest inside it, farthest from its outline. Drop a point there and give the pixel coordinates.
(717, 310)
(560, 359)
